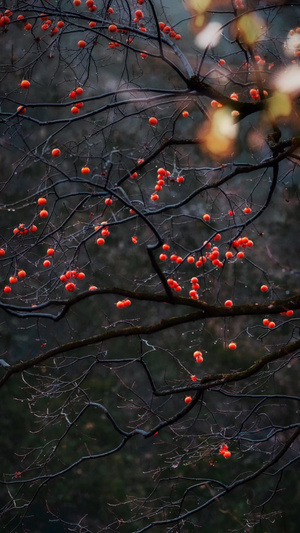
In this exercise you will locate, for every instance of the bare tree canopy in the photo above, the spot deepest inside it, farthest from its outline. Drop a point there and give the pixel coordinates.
(150, 265)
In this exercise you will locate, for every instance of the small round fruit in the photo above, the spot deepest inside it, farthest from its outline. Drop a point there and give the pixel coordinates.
(81, 275)
(50, 252)
(154, 197)
(81, 44)
(152, 121)
(46, 263)
(42, 201)
(266, 321)
(71, 287)
(75, 110)
(185, 114)
(112, 28)
(25, 84)
(43, 213)
(232, 346)
(2, 252)
(227, 454)
(85, 170)
(22, 274)
(228, 303)
(197, 353)
(56, 152)
(264, 288)
(21, 110)
(188, 399)
(271, 325)
(206, 217)
(120, 304)
(100, 241)
(13, 279)
(194, 377)
(7, 289)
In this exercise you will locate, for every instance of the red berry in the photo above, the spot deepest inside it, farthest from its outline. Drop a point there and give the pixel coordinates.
(85, 170)
(21, 274)
(100, 241)
(289, 312)
(197, 353)
(163, 257)
(112, 28)
(25, 84)
(232, 346)
(21, 110)
(13, 279)
(2, 252)
(7, 289)
(46, 263)
(193, 377)
(70, 287)
(206, 217)
(271, 325)
(152, 121)
(42, 201)
(81, 275)
(50, 251)
(81, 44)
(154, 197)
(228, 303)
(74, 110)
(266, 321)
(188, 399)
(264, 288)
(43, 213)
(108, 201)
(120, 304)
(227, 454)
(56, 152)
(185, 114)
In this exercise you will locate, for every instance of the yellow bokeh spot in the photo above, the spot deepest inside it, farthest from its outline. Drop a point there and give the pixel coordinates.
(218, 136)
(280, 105)
(251, 27)
(199, 21)
(198, 5)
